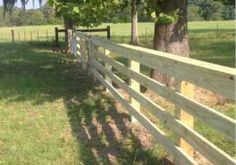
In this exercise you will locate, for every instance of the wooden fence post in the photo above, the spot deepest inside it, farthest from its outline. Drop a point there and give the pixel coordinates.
(70, 40)
(135, 66)
(24, 36)
(12, 36)
(31, 36)
(108, 32)
(66, 36)
(19, 35)
(47, 35)
(79, 50)
(187, 89)
(74, 43)
(108, 67)
(89, 53)
(56, 37)
(38, 35)
(83, 54)
(146, 40)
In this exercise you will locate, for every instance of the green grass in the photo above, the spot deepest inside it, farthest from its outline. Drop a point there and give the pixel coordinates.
(33, 119)
(211, 41)
(47, 105)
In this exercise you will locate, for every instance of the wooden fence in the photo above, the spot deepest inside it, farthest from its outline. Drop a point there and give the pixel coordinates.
(57, 31)
(17, 35)
(94, 53)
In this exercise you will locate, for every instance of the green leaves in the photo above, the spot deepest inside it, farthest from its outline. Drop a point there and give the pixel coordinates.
(169, 18)
(76, 10)
(87, 13)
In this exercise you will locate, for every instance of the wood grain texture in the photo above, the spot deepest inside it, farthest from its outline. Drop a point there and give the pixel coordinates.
(219, 79)
(209, 150)
(135, 66)
(208, 115)
(187, 119)
(179, 156)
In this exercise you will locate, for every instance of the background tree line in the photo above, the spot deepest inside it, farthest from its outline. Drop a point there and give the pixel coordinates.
(19, 17)
(211, 10)
(198, 10)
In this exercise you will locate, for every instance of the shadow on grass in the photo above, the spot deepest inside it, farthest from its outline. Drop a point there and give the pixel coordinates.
(103, 132)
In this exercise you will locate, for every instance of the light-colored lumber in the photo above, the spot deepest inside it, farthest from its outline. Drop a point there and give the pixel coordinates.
(108, 66)
(81, 35)
(83, 54)
(135, 66)
(70, 40)
(208, 115)
(89, 50)
(219, 79)
(180, 157)
(210, 151)
(187, 119)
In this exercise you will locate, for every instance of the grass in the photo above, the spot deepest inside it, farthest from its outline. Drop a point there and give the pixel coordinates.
(33, 113)
(211, 41)
(51, 113)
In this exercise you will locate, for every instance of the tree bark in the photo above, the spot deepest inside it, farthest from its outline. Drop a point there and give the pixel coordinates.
(134, 24)
(68, 24)
(173, 37)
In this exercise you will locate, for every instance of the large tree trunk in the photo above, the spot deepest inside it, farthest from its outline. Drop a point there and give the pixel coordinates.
(134, 25)
(173, 37)
(68, 24)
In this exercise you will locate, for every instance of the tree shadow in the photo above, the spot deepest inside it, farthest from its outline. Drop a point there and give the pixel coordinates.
(103, 131)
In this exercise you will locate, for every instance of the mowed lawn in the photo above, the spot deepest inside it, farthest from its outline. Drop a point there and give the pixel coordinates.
(211, 41)
(34, 127)
(52, 113)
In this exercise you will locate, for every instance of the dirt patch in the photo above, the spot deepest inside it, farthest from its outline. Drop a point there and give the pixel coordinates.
(208, 98)
(145, 138)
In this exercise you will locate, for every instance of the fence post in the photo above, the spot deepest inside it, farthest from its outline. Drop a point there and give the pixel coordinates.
(79, 47)
(70, 39)
(74, 43)
(56, 37)
(47, 35)
(135, 66)
(38, 35)
(83, 54)
(66, 36)
(187, 89)
(19, 35)
(24, 36)
(145, 35)
(108, 32)
(31, 36)
(12, 36)
(108, 67)
(90, 72)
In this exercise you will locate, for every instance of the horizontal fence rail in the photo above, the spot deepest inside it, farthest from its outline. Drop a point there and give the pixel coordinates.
(95, 55)
(32, 35)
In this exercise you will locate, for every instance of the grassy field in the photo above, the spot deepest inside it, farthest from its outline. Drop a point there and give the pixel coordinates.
(123, 29)
(51, 113)
(211, 41)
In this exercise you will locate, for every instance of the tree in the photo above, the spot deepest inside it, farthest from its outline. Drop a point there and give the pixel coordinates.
(229, 12)
(170, 31)
(85, 12)
(194, 13)
(210, 9)
(134, 22)
(9, 4)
